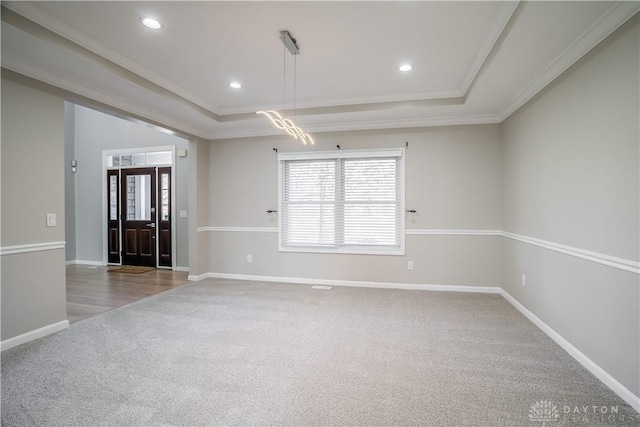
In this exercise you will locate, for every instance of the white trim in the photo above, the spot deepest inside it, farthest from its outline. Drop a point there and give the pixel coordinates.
(611, 261)
(416, 231)
(413, 231)
(181, 269)
(174, 212)
(354, 250)
(33, 335)
(197, 277)
(444, 94)
(600, 258)
(31, 247)
(495, 30)
(341, 154)
(239, 229)
(596, 370)
(585, 361)
(247, 132)
(612, 19)
(85, 262)
(351, 283)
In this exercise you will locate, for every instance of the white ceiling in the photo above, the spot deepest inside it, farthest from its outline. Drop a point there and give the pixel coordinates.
(474, 62)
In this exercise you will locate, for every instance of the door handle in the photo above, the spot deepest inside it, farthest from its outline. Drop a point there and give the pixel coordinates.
(152, 225)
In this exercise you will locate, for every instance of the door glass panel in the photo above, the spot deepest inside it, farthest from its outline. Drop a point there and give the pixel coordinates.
(164, 194)
(139, 197)
(159, 158)
(113, 197)
(138, 159)
(125, 160)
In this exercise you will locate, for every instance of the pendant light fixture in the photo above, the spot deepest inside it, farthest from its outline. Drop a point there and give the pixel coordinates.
(276, 118)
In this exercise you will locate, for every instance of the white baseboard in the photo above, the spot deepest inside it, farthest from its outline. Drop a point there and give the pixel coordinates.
(102, 264)
(352, 283)
(33, 335)
(601, 374)
(596, 370)
(84, 262)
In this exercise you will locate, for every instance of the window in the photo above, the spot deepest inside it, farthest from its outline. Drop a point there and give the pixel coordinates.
(140, 159)
(342, 202)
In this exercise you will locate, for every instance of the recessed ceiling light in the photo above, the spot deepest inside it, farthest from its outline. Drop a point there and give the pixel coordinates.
(235, 85)
(405, 67)
(151, 23)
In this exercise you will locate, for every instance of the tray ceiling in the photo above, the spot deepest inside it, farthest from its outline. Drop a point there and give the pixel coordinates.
(473, 62)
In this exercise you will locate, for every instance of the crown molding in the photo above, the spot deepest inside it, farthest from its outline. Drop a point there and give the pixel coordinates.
(495, 30)
(479, 119)
(46, 76)
(444, 95)
(373, 124)
(56, 26)
(615, 16)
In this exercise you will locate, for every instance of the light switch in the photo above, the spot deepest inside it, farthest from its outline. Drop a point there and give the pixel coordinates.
(182, 214)
(51, 220)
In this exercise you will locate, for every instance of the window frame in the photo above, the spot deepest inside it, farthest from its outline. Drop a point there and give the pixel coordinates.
(346, 154)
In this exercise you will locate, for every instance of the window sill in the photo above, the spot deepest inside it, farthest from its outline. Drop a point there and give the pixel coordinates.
(345, 250)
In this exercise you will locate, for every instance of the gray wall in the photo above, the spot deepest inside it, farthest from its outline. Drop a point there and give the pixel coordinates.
(571, 176)
(33, 283)
(452, 180)
(94, 132)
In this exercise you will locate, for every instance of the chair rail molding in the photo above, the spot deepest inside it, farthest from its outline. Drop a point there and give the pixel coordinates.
(31, 247)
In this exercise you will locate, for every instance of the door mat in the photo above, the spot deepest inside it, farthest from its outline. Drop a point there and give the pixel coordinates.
(131, 269)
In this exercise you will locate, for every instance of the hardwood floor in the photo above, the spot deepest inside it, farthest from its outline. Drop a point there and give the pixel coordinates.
(94, 290)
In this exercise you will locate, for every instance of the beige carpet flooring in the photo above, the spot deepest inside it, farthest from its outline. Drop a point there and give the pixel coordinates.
(222, 352)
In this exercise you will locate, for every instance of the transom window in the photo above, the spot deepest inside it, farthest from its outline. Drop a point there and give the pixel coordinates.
(139, 159)
(342, 201)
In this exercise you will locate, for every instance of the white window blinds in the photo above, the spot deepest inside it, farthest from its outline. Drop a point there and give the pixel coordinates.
(349, 201)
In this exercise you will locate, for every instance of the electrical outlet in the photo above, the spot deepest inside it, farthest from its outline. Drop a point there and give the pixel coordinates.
(524, 280)
(410, 265)
(249, 258)
(51, 220)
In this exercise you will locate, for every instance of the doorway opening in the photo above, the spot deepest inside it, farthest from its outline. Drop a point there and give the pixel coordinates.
(139, 209)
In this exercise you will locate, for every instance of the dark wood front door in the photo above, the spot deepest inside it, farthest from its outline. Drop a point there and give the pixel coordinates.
(138, 201)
